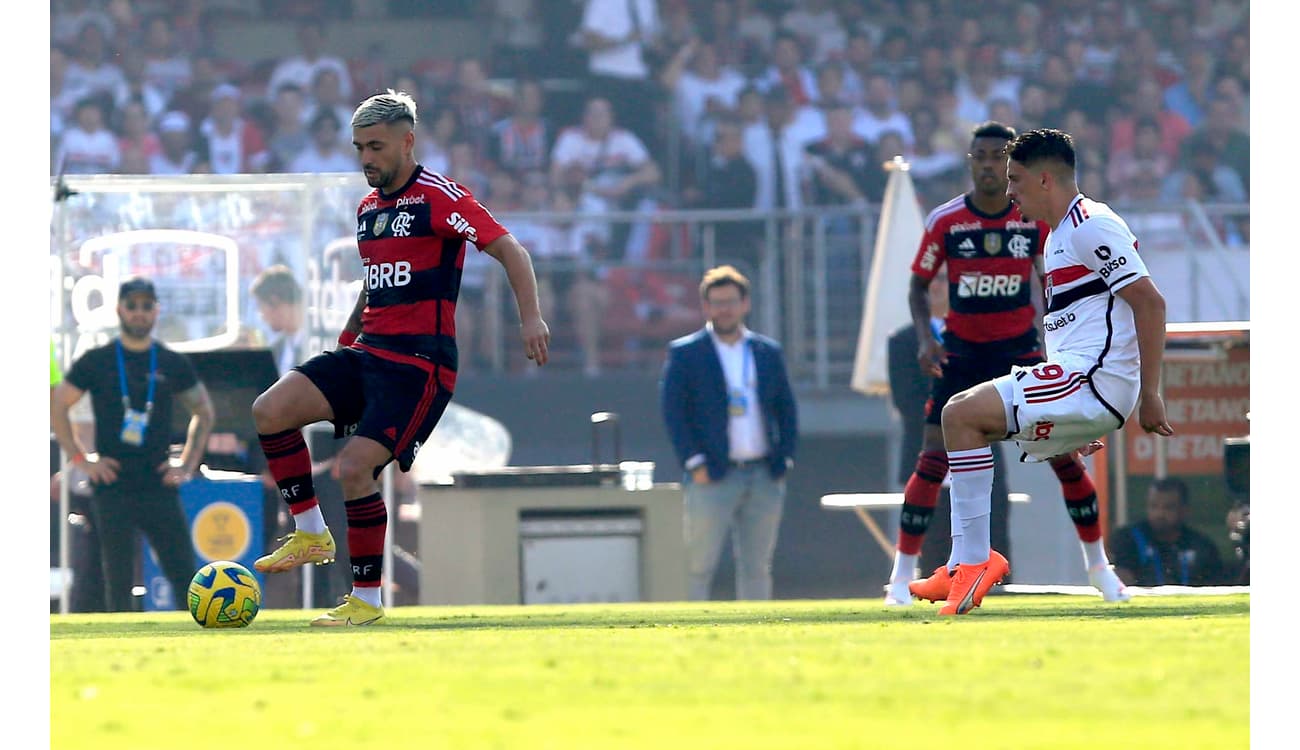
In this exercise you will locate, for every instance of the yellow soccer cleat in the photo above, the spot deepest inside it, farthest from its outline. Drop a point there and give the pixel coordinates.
(352, 611)
(299, 548)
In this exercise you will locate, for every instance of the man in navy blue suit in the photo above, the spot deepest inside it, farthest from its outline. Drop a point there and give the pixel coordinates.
(731, 415)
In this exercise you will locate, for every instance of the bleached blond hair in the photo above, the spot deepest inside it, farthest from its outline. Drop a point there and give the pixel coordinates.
(389, 107)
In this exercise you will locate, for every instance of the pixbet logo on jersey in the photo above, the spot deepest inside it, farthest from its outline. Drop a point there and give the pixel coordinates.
(988, 285)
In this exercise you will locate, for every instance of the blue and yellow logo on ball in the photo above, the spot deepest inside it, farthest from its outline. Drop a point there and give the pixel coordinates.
(221, 531)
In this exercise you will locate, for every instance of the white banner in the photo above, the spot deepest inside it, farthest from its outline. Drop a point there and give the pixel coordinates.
(884, 308)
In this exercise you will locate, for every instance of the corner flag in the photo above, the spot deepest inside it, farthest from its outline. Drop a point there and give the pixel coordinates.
(884, 308)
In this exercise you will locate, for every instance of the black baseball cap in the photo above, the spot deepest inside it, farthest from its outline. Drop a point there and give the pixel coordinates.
(137, 285)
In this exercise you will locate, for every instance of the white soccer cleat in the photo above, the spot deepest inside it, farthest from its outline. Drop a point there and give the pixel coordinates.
(1112, 589)
(897, 594)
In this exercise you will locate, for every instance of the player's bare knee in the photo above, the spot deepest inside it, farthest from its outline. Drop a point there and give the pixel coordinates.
(354, 471)
(266, 416)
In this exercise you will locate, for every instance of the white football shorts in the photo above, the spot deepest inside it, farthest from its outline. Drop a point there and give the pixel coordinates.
(1054, 407)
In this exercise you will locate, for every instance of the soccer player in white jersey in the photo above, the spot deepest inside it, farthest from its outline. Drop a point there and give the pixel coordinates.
(1105, 336)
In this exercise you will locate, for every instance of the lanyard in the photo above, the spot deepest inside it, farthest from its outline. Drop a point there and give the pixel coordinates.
(121, 377)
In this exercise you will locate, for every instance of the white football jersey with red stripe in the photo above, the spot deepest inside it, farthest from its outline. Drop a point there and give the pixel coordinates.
(1089, 256)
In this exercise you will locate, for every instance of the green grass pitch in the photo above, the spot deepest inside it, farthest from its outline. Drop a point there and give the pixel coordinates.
(1023, 671)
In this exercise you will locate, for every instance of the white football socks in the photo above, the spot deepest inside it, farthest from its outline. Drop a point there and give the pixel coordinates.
(904, 567)
(971, 493)
(1094, 554)
(310, 521)
(367, 594)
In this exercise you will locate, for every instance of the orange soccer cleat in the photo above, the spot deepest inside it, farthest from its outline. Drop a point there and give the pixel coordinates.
(972, 582)
(935, 588)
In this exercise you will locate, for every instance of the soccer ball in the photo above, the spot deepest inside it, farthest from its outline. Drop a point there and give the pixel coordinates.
(224, 594)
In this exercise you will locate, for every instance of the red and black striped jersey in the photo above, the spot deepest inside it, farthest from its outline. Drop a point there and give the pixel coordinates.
(412, 246)
(991, 262)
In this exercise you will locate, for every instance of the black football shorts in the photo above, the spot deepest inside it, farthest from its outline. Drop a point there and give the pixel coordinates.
(395, 401)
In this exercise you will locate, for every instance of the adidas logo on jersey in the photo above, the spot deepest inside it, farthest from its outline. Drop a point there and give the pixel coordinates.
(967, 244)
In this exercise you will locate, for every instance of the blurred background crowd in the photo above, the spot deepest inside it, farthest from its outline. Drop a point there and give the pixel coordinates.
(705, 98)
(636, 107)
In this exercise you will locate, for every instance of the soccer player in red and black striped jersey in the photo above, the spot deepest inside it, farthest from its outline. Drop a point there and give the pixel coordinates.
(994, 260)
(394, 371)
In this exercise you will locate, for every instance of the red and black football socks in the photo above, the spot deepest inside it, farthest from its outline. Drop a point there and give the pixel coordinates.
(920, 497)
(289, 462)
(367, 526)
(1080, 497)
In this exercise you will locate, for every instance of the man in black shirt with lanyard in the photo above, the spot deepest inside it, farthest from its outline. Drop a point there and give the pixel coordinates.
(133, 381)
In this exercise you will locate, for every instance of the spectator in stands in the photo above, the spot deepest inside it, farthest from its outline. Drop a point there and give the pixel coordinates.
(728, 181)
(1220, 136)
(179, 154)
(1146, 102)
(838, 164)
(136, 141)
(566, 276)
(1101, 47)
(1203, 177)
(1190, 96)
(195, 100)
(830, 84)
(897, 56)
(776, 153)
(289, 136)
(477, 105)
(610, 164)
(88, 147)
(983, 82)
(63, 100)
(857, 62)
(327, 94)
(464, 167)
(300, 70)
(937, 164)
(521, 142)
(720, 28)
(818, 26)
(619, 36)
(788, 71)
(701, 89)
(435, 148)
(1162, 549)
(1033, 106)
(757, 32)
(731, 414)
(234, 144)
(1024, 55)
(166, 66)
(1089, 150)
(1138, 173)
(325, 154)
(90, 69)
(136, 86)
(517, 32)
(69, 17)
(880, 112)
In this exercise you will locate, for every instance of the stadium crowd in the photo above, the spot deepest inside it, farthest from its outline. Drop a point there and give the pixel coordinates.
(1157, 94)
(641, 105)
